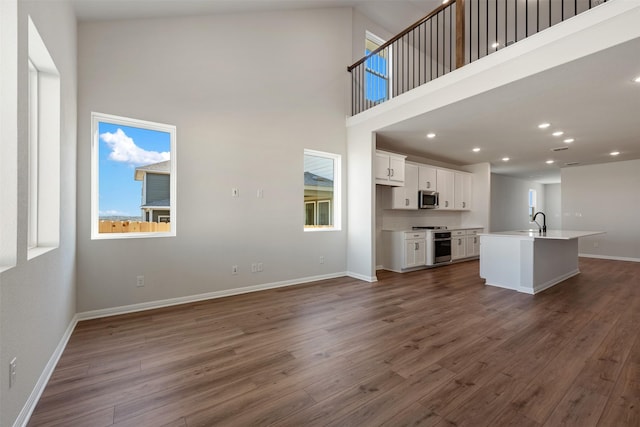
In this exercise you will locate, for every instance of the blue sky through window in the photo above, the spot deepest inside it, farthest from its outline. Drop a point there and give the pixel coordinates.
(375, 85)
(121, 150)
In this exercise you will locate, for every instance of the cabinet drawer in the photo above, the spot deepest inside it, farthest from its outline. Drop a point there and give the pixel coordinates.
(455, 233)
(415, 235)
(474, 231)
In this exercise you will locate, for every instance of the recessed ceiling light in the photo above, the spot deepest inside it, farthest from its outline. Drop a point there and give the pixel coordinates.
(431, 135)
(495, 45)
(568, 140)
(549, 162)
(558, 133)
(637, 79)
(505, 159)
(614, 153)
(544, 125)
(475, 150)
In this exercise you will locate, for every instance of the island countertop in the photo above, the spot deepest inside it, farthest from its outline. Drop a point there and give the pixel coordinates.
(550, 234)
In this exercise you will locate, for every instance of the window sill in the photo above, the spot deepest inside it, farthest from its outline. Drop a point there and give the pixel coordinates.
(321, 229)
(39, 250)
(125, 236)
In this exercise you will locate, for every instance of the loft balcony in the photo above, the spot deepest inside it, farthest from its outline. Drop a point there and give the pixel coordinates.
(453, 35)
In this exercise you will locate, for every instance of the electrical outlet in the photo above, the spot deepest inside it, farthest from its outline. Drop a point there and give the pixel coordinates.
(234, 269)
(12, 372)
(260, 266)
(321, 260)
(235, 192)
(254, 267)
(140, 281)
(260, 193)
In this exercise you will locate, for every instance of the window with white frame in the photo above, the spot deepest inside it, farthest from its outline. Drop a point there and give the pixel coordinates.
(377, 70)
(533, 196)
(133, 178)
(321, 190)
(43, 201)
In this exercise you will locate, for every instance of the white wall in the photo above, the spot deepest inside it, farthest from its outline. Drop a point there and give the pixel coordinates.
(38, 296)
(248, 93)
(604, 197)
(553, 204)
(510, 204)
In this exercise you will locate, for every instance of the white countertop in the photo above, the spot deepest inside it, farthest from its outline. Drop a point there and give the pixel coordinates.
(550, 234)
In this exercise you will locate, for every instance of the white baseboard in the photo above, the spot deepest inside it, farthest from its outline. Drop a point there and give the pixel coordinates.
(370, 279)
(94, 314)
(614, 258)
(30, 405)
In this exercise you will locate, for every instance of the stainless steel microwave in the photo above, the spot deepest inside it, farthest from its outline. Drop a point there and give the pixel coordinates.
(427, 199)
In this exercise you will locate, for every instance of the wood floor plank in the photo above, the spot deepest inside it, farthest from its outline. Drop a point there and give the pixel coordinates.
(431, 347)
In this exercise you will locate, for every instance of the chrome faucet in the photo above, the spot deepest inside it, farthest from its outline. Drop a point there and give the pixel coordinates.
(542, 229)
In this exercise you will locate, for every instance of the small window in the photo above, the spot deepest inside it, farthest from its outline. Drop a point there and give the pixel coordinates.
(376, 69)
(321, 191)
(133, 178)
(532, 203)
(43, 191)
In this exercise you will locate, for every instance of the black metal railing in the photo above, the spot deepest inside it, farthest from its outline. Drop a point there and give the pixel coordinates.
(453, 35)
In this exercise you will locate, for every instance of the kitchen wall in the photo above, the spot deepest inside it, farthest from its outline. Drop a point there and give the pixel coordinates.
(553, 204)
(604, 197)
(245, 107)
(38, 296)
(510, 203)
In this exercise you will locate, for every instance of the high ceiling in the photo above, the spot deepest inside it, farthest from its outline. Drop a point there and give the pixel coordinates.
(594, 100)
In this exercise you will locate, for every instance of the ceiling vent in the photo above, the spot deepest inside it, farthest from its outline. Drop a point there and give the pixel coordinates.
(572, 163)
(560, 149)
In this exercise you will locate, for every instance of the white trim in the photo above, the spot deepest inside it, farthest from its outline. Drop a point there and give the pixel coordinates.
(105, 312)
(34, 397)
(96, 119)
(370, 279)
(614, 258)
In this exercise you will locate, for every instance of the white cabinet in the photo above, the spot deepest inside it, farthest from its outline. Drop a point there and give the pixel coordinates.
(445, 187)
(404, 250)
(389, 168)
(465, 243)
(426, 178)
(406, 197)
(462, 191)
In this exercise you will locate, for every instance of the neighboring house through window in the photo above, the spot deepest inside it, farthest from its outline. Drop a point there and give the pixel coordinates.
(321, 190)
(133, 178)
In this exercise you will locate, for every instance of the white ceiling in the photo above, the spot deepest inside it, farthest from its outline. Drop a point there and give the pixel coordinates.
(593, 100)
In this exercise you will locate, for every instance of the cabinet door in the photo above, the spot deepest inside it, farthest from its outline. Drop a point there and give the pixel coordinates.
(458, 247)
(382, 168)
(415, 254)
(406, 197)
(421, 252)
(426, 178)
(473, 246)
(462, 191)
(445, 186)
(396, 166)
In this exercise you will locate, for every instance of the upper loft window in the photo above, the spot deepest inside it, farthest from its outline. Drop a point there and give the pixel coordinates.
(376, 70)
(133, 178)
(43, 200)
(321, 191)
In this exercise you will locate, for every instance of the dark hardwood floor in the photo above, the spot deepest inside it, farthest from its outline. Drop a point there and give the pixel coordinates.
(428, 348)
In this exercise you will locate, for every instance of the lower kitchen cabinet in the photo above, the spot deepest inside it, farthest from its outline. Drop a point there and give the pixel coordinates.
(403, 250)
(465, 243)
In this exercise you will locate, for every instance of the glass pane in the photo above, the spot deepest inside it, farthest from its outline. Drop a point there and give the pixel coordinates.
(134, 167)
(318, 189)
(310, 214)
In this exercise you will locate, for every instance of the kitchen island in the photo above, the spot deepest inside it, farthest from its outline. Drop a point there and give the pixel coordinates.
(529, 261)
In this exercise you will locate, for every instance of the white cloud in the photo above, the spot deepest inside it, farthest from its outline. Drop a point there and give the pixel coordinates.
(125, 150)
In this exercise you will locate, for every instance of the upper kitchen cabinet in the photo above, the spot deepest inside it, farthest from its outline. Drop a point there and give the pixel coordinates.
(462, 190)
(426, 178)
(445, 187)
(406, 197)
(389, 168)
